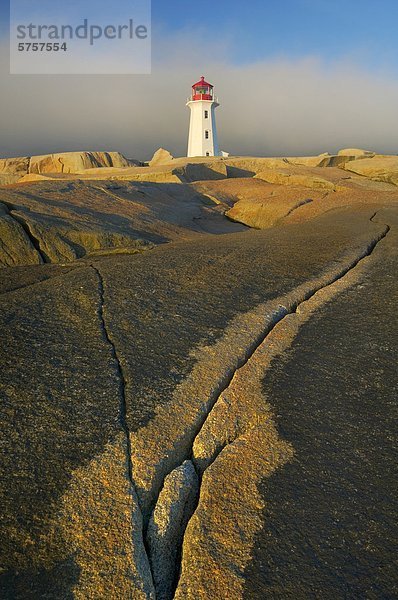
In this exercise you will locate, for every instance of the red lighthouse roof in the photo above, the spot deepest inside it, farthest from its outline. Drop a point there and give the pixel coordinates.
(202, 82)
(202, 90)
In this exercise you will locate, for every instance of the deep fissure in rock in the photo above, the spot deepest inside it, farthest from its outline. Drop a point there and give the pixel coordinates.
(279, 316)
(122, 381)
(25, 226)
(299, 205)
(122, 385)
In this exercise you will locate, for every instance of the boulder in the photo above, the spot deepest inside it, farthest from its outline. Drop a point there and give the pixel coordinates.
(357, 152)
(72, 162)
(201, 171)
(161, 157)
(308, 161)
(379, 168)
(274, 205)
(335, 160)
(14, 166)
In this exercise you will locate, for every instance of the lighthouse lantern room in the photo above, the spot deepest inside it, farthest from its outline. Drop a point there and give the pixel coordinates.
(202, 130)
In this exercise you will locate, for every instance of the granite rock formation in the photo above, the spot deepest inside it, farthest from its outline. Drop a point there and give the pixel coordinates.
(160, 157)
(199, 382)
(64, 162)
(379, 168)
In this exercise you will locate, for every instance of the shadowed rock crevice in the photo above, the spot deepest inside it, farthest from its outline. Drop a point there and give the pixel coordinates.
(66, 489)
(132, 381)
(207, 448)
(329, 516)
(142, 561)
(16, 242)
(202, 461)
(28, 230)
(35, 240)
(220, 434)
(176, 504)
(122, 385)
(301, 203)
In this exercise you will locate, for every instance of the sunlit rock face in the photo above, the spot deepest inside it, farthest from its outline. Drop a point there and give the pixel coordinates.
(198, 367)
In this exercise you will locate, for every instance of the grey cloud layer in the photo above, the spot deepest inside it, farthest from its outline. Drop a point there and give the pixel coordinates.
(274, 107)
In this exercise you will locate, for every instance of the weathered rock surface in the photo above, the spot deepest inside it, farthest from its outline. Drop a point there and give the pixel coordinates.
(175, 506)
(241, 430)
(14, 166)
(329, 514)
(108, 165)
(198, 172)
(15, 245)
(14, 169)
(258, 363)
(284, 177)
(7, 179)
(67, 475)
(356, 152)
(249, 166)
(161, 157)
(73, 162)
(157, 410)
(379, 168)
(259, 204)
(334, 160)
(271, 207)
(69, 220)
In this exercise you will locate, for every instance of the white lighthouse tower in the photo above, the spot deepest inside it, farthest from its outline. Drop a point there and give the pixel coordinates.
(202, 130)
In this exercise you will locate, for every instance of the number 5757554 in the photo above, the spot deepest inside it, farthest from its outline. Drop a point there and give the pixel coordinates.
(42, 47)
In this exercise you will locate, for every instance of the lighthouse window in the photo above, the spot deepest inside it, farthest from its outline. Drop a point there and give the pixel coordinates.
(207, 134)
(206, 114)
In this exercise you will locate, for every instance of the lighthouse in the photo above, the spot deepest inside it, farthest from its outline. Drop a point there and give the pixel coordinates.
(202, 129)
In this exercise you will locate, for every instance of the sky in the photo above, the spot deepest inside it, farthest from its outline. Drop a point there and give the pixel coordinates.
(293, 77)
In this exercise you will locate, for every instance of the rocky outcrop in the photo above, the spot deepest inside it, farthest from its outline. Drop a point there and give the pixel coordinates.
(161, 157)
(13, 169)
(309, 161)
(334, 161)
(248, 166)
(356, 152)
(269, 210)
(67, 220)
(309, 192)
(14, 166)
(120, 373)
(165, 168)
(234, 519)
(379, 168)
(72, 162)
(201, 171)
(284, 177)
(16, 245)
